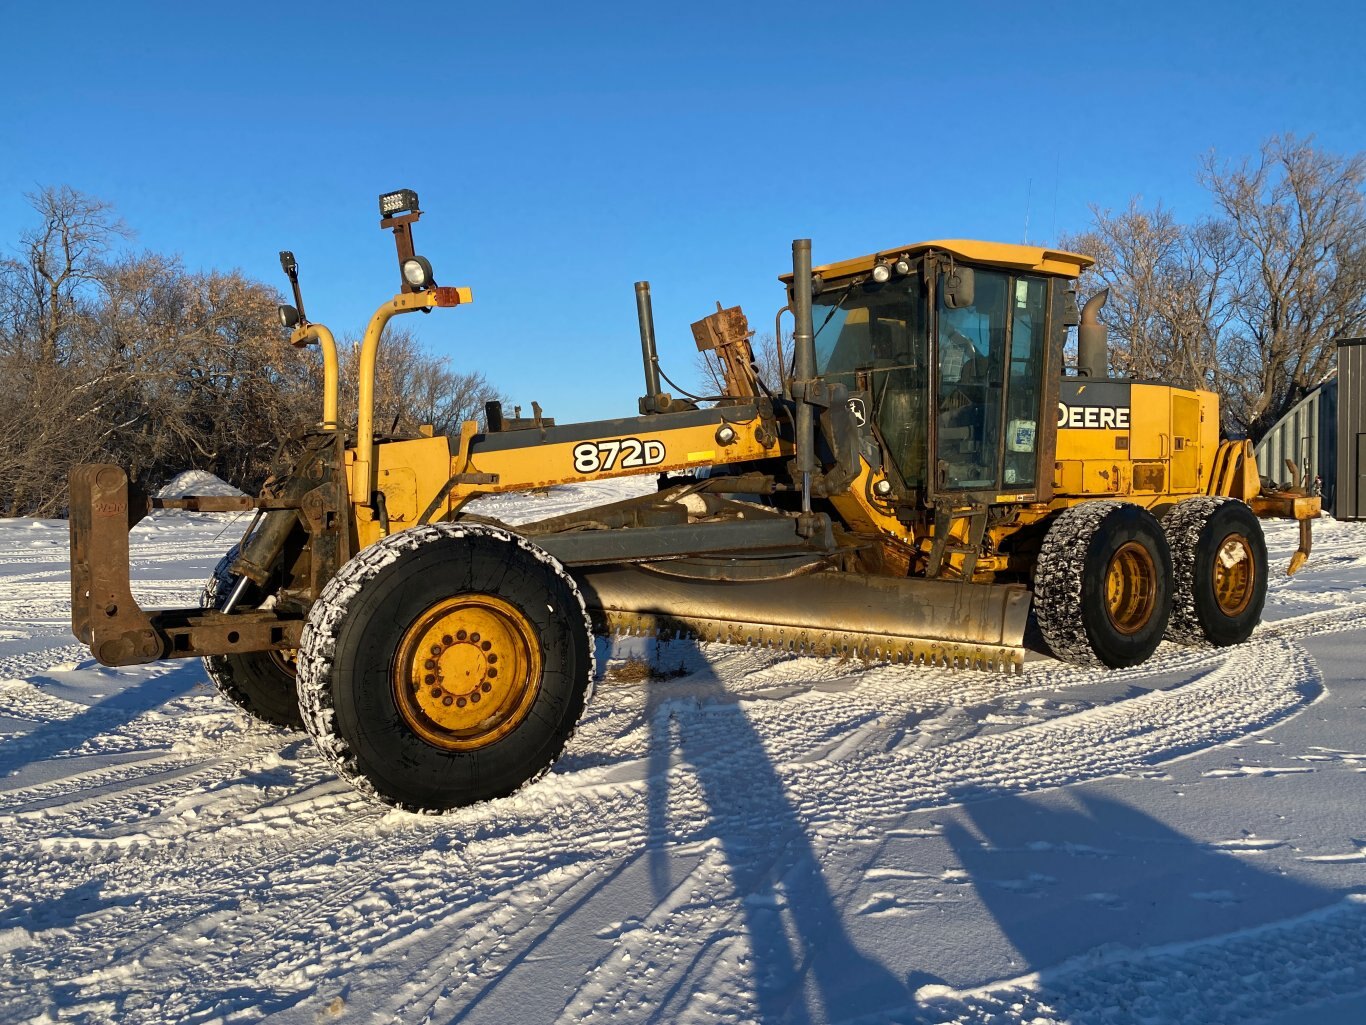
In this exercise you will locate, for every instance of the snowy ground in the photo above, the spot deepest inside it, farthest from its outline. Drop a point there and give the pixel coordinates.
(752, 838)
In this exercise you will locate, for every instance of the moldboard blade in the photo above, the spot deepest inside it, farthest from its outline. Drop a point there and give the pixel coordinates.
(924, 622)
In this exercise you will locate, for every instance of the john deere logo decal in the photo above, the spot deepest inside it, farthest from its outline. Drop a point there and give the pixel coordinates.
(1113, 418)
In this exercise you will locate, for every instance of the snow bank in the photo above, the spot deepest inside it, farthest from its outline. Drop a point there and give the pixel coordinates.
(197, 482)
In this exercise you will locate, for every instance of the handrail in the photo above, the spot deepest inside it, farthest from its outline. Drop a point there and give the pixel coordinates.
(406, 302)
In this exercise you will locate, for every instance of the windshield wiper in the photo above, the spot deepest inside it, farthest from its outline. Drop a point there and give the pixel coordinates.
(835, 309)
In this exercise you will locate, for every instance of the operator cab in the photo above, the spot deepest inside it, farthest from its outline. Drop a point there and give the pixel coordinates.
(953, 348)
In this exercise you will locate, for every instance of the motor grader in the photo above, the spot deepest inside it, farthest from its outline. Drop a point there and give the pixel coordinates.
(927, 474)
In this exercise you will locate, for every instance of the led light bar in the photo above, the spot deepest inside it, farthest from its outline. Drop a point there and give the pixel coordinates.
(401, 201)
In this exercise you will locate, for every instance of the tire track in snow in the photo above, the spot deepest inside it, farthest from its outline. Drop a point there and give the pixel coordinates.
(1241, 977)
(1229, 700)
(310, 888)
(514, 841)
(19, 668)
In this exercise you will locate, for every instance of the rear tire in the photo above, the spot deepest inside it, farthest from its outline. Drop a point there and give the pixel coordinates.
(260, 683)
(1219, 571)
(1102, 584)
(444, 665)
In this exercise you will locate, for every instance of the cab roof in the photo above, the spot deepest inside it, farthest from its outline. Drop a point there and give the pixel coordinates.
(995, 254)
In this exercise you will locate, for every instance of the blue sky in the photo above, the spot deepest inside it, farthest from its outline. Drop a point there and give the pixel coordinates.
(564, 151)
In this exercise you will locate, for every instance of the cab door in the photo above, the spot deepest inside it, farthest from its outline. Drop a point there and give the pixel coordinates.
(989, 361)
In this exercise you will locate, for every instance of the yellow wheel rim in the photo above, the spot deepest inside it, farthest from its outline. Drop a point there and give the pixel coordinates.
(1235, 575)
(467, 672)
(1131, 588)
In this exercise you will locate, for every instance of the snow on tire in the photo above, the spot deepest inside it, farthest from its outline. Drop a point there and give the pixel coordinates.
(444, 665)
(260, 683)
(1219, 571)
(1102, 584)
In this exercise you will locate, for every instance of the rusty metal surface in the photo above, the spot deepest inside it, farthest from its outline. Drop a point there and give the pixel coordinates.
(104, 614)
(221, 503)
(726, 332)
(918, 621)
(194, 633)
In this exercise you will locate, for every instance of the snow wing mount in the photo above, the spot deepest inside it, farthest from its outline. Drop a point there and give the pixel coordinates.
(104, 613)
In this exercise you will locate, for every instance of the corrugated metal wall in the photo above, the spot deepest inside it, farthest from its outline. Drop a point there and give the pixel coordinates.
(1350, 498)
(1305, 435)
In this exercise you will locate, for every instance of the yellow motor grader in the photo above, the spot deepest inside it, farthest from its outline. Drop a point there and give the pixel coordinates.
(927, 473)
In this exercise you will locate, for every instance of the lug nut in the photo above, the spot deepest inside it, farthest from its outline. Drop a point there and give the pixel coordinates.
(429, 678)
(429, 664)
(493, 659)
(460, 635)
(486, 687)
(436, 693)
(459, 702)
(446, 701)
(436, 649)
(447, 640)
(475, 696)
(474, 638)
(491, 673)
(486, 645)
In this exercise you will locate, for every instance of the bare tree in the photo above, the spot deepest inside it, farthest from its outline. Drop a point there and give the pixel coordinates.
(1249, 302)
(63, 253)
(109, 355)
(1299, 214)
(1169, 288)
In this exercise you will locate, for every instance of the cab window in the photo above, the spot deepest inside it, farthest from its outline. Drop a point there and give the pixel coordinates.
(972, 355)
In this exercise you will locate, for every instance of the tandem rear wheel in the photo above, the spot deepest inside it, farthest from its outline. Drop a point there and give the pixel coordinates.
(1103, 584)
(1219, 571)
(445, 665)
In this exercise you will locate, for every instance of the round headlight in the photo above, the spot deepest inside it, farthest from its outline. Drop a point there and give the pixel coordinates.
(289, 316)
(882, 273)
(902, 265)
(417, 272)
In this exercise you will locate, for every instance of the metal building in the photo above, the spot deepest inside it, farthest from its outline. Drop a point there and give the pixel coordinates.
(1325, 435)
(1350, 497)
(1306, 435)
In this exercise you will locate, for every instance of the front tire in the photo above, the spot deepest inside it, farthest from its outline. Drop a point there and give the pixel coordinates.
(444, 665)
(1102, 584)
(1219, 571)
(260, 683)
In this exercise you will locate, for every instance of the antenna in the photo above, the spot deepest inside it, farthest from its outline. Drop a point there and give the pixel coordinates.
(1029, 197)
(1057, 165)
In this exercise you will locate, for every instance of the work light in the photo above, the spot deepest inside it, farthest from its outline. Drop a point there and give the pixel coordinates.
(882, 272)
(289, 316)
(417, 271)
(400, 201)
(902, 265)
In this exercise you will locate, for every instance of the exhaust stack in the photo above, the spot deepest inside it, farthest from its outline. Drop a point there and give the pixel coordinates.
(804, 365)
(1093, 350)
(651, 403)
